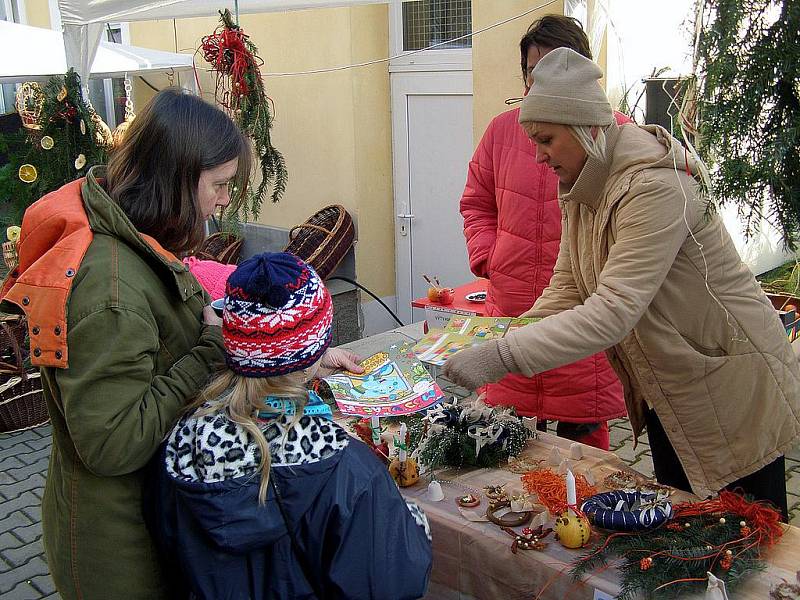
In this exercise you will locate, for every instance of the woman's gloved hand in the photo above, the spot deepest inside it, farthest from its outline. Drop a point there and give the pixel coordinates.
(481, 364)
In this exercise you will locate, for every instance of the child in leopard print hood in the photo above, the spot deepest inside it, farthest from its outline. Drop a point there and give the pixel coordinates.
(258, 493)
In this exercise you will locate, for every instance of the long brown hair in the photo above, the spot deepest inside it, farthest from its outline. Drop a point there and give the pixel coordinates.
(154, 174)
(243, 397)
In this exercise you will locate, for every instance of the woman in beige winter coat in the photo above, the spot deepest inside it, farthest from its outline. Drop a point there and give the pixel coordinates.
(648, 273)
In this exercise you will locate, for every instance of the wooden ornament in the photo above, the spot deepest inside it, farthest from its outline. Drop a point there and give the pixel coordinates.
(468, 501)
(510, 519)
(405, 473)
(572, 530)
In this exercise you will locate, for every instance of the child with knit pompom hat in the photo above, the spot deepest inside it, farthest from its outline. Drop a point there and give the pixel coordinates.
(259, 494)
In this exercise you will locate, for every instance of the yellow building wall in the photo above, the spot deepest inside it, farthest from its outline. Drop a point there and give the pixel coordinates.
(334, 129)
(38, 13)
(496, 74)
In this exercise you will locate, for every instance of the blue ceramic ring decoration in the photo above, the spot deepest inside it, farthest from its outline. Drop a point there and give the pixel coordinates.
(627, 510)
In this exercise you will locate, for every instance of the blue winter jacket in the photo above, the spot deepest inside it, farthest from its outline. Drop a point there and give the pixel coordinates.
(359, 536)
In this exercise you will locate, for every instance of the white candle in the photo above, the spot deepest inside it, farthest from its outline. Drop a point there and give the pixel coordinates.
(572, 499)
(402, 442)
(375, 425)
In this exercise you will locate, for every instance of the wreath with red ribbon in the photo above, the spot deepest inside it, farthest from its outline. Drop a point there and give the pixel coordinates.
(240, 90)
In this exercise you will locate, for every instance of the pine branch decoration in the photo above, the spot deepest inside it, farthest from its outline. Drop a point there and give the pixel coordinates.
(240, 90)
(748, 62)
(723, 536)
(71, 139)
(446, 435)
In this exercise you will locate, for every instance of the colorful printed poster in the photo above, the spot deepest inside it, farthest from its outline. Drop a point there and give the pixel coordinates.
(437, 346)
(394, 383)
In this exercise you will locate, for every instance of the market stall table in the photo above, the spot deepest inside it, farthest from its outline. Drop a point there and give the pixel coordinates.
(437, 314)
(474, 559)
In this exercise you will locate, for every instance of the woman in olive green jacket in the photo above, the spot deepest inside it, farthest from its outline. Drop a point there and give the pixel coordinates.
(123, 332)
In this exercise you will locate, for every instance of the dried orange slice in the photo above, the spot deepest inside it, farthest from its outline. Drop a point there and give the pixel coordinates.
(12, 233)
(47, 142)
(27, 173)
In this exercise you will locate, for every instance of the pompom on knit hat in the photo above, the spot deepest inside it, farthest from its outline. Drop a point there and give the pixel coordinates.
(210, 274)
(278, 316)
(566, 89)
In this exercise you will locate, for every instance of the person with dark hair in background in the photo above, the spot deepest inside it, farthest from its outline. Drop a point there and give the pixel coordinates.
(512, 223)
(123, 332)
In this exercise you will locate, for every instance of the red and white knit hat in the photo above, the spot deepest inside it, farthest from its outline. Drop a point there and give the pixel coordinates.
(278, 316)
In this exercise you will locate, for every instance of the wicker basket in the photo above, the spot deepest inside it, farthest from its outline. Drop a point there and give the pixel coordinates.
(13, 347)
(221, 247)
(324, 239)
(22, 404)
(10, 256)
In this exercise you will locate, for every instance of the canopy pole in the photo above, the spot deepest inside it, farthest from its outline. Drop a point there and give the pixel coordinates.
(236, 10)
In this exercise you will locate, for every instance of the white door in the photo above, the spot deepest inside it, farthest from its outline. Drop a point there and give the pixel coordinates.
(432, 122)
(432, 145)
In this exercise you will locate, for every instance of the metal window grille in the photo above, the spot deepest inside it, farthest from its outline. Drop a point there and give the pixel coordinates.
(428, 22)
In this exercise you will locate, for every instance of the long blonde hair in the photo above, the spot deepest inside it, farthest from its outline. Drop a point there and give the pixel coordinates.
(243, 397)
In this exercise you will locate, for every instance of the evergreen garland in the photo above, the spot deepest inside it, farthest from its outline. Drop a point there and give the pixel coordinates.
(674, 560)
(748, 66)
(61, 151)
(240, 90)
(441, 436)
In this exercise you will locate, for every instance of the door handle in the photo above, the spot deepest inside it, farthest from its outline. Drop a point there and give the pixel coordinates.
(404, 216)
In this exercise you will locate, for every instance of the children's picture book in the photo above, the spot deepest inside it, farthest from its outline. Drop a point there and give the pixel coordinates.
(463, 332)
(520, 322)
(394, 383)
(481, 327)
(439, 345)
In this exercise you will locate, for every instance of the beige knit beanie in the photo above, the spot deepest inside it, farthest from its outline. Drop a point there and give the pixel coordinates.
(566, 89)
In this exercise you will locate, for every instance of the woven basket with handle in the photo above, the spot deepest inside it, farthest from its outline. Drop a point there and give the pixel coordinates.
(221, 247)
(22, 403)
(324, 239)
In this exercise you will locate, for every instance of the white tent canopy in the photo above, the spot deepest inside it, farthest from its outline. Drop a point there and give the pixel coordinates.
(45, 56)
(84, 12)
(83, 20)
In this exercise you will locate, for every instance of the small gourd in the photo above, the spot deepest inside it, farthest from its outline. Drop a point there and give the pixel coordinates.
(572, 531)
(405, 474)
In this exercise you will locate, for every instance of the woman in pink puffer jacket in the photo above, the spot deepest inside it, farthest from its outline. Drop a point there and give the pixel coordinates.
(512, 223)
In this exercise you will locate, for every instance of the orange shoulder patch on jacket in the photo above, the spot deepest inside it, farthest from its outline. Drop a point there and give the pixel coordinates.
(55, 237)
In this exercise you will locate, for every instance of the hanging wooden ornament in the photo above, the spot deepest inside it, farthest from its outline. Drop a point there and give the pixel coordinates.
(102, 132)
(29, 103)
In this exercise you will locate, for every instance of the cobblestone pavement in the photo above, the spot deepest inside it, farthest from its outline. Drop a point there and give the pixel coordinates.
(23, 468)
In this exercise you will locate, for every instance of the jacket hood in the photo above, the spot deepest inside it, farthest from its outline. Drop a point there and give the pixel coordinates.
(647, 147)
(56, 232)
(228, 509)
